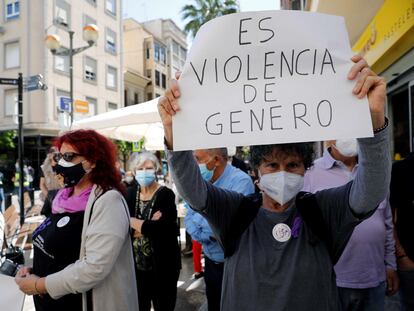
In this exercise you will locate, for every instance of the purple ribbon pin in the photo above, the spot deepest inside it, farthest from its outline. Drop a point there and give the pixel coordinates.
(297, 222)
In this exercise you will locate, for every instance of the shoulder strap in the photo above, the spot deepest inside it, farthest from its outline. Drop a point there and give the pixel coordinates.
(93, 204)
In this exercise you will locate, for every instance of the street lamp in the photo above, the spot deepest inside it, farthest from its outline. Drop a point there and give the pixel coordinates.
(90, 35)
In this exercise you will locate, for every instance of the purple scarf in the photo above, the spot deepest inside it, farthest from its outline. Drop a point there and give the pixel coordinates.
(65, 203)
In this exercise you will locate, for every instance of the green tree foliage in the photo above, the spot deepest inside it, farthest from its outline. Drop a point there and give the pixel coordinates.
(124, 150)
(7, 139)
(204, 10)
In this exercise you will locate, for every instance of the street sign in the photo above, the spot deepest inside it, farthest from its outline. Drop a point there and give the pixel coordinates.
(33, 83)
(9, 81)
(81, 106)
(137, 145)
(64, 104)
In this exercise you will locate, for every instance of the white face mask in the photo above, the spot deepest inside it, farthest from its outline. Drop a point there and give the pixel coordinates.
(347, 147)
(281, 186)
(129, 179)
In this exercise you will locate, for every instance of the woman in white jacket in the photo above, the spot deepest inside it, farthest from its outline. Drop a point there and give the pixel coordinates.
(82, 252)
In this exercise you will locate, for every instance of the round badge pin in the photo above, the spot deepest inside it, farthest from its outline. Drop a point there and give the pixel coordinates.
(63, 221)
(281, 232)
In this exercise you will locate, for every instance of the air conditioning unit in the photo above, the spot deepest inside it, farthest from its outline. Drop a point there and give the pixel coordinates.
(2, 30)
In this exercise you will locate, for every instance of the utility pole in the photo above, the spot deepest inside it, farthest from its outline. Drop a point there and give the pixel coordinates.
(20, 145)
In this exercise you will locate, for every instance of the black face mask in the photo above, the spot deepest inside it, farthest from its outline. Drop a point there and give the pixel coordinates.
(71, 175)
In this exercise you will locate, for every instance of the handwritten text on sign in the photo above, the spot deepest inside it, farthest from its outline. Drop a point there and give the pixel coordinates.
(268, 77)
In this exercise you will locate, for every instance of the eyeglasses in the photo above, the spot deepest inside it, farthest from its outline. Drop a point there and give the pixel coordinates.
(67, 156)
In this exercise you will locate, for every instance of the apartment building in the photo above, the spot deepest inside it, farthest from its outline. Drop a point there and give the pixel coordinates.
(175, 41)
(153, 52)
(97, 79)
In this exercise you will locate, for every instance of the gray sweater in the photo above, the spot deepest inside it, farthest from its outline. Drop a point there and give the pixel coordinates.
(263, 274)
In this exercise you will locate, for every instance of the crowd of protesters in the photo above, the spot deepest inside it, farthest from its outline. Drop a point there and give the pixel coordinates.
(304, 234)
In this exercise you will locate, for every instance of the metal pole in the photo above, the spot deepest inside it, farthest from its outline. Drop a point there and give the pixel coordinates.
(71, 33)
(20, 146)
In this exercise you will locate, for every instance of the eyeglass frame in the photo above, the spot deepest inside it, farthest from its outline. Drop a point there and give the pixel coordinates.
(67, 156)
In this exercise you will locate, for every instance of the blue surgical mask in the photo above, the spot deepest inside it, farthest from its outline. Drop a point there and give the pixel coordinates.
(145, 177)
(205, 172)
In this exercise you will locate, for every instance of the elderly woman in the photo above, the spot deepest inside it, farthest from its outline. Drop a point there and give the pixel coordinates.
(156, 249)
(82, 253)
(280, 247)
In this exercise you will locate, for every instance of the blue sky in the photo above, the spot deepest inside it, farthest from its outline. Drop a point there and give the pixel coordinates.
(143, 10)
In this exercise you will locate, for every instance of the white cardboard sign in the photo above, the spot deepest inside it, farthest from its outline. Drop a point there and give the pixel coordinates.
(269, 77)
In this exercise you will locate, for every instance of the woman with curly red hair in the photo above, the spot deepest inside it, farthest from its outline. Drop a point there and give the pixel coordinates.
(82, 253)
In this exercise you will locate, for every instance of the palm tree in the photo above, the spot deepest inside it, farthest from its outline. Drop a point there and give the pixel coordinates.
(204, 10)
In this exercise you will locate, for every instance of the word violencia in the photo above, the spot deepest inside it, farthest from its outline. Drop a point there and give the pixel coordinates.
(289, 65)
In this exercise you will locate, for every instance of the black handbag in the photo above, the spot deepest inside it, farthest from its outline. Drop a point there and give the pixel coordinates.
(9, 268)
(14, 257)
(15, 254)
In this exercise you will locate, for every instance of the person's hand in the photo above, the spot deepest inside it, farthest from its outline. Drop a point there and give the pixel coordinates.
(24, 271)
(28, 285)
(405, 263)
(137, 235)
(136, 224)
(157, 215)
(393, 282)
(168, 107)
(368, 83)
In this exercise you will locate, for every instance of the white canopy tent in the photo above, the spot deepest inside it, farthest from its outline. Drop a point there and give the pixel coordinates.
(130, 123)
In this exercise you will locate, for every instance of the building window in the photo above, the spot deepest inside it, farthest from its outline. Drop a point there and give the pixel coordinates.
(110, 41)
(126, 97)
(164, 81)
(88, 20)
(162, 55)
(62, 13)
(10, 100)
(111, 6)
(62, 63)
(183, 56)
(90, 69)
(111, 77)
(12, 55)
(179, 55)
(157, 95)
(148, 49)
(157, 78)
(136, 99)
(93, 2)
(12, 9)
(112, 106)
(159, 53)
(92, 105)
(149, 96)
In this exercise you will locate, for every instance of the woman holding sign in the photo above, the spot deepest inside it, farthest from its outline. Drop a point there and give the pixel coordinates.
(281, 245)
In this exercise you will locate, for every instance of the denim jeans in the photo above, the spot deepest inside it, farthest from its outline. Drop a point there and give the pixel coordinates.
(407, 289)
(364, 299)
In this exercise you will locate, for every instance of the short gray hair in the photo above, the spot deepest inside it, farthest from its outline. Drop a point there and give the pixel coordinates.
(218, 151)
(141, 158)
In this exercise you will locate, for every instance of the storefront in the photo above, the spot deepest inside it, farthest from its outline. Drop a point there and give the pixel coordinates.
(388, 46)
(35, 150)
